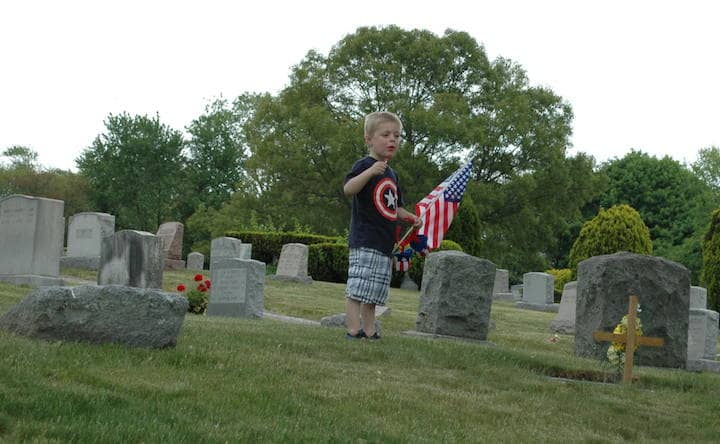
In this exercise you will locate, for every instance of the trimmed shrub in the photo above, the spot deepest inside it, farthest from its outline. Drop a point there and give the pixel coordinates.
(266, 246)
(328, 262)
(618, 229)
(465, 227)
(711, 262)
(562, 277)
(418, 262)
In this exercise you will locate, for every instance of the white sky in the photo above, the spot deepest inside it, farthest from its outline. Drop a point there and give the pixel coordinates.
(638, 74)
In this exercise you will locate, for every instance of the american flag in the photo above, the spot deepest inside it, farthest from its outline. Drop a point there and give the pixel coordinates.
(438, 208)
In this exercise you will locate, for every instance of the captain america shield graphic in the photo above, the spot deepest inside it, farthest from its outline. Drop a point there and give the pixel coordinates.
(385, 198)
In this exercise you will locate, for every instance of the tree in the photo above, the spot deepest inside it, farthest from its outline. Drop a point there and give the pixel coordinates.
(136, 171)
(707, 167)
(672, 201)
(711, 261)
(22, 157)
(618, 229)
(452, 100)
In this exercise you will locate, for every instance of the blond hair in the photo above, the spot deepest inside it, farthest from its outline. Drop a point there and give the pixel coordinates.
(373, 120)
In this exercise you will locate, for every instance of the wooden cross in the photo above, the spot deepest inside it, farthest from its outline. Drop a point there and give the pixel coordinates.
(630, 339)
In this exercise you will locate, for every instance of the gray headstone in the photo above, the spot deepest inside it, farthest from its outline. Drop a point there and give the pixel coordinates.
(564, 322)
(293, 261)
(338, 320)
(538, 288)
(502, 281)
(84, 239)
(195, 261)
(99, 315)
(663, 290)
(238, 287)
(456, 295)
(31, 239)
(131, 258)
(171, 236)
(407, 283)
(517, 292)
(702, 334)
(228, 248)
(698, 297)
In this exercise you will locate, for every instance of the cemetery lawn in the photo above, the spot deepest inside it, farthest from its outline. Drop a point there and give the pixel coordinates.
(234, 380)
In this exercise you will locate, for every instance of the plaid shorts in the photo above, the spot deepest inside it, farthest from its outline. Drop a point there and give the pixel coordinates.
(368, 276)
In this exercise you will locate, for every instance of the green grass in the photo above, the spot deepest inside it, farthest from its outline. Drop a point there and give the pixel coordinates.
(235, 380)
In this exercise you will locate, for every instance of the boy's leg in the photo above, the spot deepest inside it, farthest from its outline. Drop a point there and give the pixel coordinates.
(368, 318)
(352, 315)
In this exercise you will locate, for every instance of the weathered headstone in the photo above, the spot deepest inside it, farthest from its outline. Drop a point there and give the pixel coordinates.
(31, 239)
(195, 261)
(407, 283)
(293, 263)
(538, 292)
(456, 295)
(131, 258)
(238, 287)
(171, 235)
(663, 289)
(702, 334)
(698, 297)
(228, 248)
(84, 239)
(501, 289)
(564, 322)
(99, 315)
(517, 292)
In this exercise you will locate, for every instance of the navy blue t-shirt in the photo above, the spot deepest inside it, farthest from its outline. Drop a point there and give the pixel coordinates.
(374, 209)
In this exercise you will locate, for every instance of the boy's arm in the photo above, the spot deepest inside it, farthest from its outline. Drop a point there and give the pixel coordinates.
(354, 185)
(409, 217)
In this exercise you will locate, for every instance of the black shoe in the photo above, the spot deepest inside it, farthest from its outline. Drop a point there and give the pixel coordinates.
(359, 335)
(375, 336)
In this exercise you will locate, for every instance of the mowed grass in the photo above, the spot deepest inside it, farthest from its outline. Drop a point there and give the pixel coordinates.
(236, 380)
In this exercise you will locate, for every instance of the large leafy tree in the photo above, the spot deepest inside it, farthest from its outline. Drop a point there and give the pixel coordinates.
(674, 203)
(136, 171)
(453, 101)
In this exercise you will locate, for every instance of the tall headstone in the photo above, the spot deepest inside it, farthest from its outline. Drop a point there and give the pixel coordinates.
(698, 297)
(702, 340)
(131, 258)
(538, 292)
(171, 235)
(84, 239)
(195, 261)
(501, 289)
(564, 322)
(663, 289)
(456, 295)
(31, 239)
(238, 287)
(228, 248)
(293, 263)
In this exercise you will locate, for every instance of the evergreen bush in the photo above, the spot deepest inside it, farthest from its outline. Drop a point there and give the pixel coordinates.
(328, 262)
(711, 262)
(562, 277)
(619, 228)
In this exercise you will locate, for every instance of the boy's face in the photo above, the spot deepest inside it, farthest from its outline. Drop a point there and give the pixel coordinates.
(385, 141)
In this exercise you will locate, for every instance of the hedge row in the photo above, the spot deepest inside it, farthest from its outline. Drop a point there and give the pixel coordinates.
(266, 246)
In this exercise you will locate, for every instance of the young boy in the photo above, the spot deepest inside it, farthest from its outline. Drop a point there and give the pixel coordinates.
(376, 206)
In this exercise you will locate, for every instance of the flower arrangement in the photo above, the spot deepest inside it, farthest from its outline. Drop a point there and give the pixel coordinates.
(616, 350)
(197, 297)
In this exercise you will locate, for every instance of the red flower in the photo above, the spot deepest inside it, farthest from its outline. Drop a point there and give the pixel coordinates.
(202, 288)
(181, 287)
(207, 283)
(198, 277)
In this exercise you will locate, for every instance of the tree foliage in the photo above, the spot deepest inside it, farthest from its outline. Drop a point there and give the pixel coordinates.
(711, 262)
(465, 227)
(619, 228)
(136, 171)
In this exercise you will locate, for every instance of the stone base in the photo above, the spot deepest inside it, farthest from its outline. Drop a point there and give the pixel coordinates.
(563, 326)
(32, 280)
(174, 264)
(297, 279)
(233, 311)
(289, 319)
(703, 365)
(83, 262)
(503, 297)
(552, 308)
(419, 334)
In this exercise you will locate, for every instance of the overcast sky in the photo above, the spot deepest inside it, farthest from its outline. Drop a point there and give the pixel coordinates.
(638, 74)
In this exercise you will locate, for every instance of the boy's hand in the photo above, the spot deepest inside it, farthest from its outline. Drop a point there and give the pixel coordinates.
(379, 167)
(418, 222)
